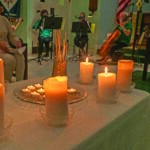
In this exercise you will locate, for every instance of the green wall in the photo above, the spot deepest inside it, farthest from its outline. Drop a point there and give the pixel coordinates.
(22, 29)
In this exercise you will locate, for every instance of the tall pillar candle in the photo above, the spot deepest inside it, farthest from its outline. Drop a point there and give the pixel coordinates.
(56, 99)
(1, 71)
(124, 75)
(1, 108)
(86, 72)
(106, 86)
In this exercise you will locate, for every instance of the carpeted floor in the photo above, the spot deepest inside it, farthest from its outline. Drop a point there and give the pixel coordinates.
(139, 83)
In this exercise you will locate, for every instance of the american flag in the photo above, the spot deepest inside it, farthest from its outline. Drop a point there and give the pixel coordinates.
(122, 5)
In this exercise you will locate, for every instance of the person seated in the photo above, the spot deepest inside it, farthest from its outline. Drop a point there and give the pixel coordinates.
(12, 57)
(81, 37)
(124, 31)
(44, 34)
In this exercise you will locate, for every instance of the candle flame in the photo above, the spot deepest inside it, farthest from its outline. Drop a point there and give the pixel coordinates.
(106, 71)
(87, 59)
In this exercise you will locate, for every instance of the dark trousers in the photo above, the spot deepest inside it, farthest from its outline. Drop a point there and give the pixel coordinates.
(80, 42)
(117, 46)
(42, 41)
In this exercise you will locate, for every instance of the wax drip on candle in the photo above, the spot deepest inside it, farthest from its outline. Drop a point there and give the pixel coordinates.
(106, 71)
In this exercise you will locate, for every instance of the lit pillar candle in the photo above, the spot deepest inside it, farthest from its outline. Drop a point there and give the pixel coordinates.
(124, 75)
(1, 108)
(56, 99)
(106, 86)
(86, 71)
(1, 71)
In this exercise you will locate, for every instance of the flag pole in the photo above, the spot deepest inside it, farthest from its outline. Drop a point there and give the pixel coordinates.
(132, 11)
(139, 10)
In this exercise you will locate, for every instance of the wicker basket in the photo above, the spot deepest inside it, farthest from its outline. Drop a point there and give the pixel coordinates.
(59, 68)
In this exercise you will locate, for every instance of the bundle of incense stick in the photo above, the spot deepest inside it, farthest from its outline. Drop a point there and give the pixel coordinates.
(60, 50)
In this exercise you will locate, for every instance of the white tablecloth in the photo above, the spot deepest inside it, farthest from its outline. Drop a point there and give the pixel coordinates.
(123, 125)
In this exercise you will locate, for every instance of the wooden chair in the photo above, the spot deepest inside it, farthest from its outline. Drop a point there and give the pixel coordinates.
(26, 62)
(76, 57)
(25, 53)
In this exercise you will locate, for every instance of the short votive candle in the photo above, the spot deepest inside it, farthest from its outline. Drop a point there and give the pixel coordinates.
(86, 72)
(124, 75)
(106, 86)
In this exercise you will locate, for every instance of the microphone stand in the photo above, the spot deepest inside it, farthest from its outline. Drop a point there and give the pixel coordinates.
(52, 44)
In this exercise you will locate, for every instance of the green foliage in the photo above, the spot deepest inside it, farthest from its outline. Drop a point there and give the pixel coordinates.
(139, 83)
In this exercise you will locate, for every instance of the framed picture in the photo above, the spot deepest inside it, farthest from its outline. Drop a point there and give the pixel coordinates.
(11, 8)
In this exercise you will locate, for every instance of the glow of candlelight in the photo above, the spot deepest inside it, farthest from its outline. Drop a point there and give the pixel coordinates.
(87, 60)
(71, 90)
(106, 71)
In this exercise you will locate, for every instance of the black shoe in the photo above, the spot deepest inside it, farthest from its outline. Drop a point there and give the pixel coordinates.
(40, 56)
(98, 60)
(46, 55)
(104, 61)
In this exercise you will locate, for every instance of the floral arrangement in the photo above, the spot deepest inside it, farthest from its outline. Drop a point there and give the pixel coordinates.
(59, 66)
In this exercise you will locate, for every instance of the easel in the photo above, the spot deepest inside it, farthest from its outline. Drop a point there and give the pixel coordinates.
(78, 27)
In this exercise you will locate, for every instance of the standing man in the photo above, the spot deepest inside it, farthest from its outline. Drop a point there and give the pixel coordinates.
(81, 37)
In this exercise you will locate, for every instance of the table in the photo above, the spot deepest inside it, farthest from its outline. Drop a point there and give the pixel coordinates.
(124, 125)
